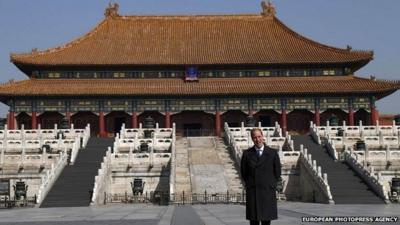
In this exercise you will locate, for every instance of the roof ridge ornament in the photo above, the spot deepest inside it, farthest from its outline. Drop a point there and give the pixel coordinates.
(268, 8)
(372, 77)
(112, 10)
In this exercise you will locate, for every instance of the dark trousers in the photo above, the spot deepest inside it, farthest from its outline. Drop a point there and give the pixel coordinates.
(253, 222)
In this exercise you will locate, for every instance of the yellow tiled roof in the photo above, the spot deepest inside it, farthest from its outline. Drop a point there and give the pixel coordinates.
(191, 40)
(206, 86)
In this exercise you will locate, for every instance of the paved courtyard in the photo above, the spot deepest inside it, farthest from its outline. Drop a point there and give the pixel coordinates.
(289, 213)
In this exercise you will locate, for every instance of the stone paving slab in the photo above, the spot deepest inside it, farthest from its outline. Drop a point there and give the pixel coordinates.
(105, 222)
(140, 212)
(208, 178)
(288, 213)
(186, 215)
(292, 213)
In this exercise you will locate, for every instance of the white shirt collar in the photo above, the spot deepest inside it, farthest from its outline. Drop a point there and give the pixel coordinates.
(262, 148)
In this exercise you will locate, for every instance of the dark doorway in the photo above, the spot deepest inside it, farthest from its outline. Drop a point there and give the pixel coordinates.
(118, 121)
(157, 117)
(48, 120)
(82, 118)
(24, 119)
(268, 118)
(265, 121)
(342, 115)
(192, 129)
(234, 118)
(298, 121)
(199, 119)
(362, 116)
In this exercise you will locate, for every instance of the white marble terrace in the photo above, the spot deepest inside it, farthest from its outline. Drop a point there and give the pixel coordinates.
(126, 161)
(23, 157)
(377, 164)
(239, 139)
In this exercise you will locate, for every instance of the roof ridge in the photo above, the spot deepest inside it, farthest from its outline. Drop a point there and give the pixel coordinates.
(12, 83)
(386, 81)
(35, 52)
(191, 16)
(321, 45)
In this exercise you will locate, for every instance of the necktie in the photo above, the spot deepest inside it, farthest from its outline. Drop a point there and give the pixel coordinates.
(259, 152)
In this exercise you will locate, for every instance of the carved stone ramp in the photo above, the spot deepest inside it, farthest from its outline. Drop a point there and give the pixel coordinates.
(73, 185)
(206, 170)
(346, 186)
(182, 173)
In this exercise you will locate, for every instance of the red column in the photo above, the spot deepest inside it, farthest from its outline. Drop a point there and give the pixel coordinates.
(374, 115)
(68, 116)
(351, 117)
(167, 120)
(134, 120)
(217, 124)
(102, 132)
(283, 121)
(11, 120)
(317, 119)
(34, 120)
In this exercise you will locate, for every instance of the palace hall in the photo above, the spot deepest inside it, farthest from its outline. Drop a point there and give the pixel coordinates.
(196, 71)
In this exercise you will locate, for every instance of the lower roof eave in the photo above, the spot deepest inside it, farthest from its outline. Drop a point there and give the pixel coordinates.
(378, 94)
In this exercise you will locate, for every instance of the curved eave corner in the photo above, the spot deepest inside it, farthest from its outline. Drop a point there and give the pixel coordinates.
(395, 87)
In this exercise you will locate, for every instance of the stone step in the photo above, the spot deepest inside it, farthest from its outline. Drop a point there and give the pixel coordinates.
(346, 187)
(73, 186)
(231, 173)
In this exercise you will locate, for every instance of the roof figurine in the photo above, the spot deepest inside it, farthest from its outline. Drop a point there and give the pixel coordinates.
(349, 48)
(112, 10)
(268, 8)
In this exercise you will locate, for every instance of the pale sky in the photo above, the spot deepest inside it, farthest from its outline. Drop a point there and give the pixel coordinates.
(363, 24)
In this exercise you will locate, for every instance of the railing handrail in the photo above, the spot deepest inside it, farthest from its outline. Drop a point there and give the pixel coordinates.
(373, 182)
(316, 173)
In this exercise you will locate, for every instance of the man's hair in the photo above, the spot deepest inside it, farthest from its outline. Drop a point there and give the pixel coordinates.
(254, 130)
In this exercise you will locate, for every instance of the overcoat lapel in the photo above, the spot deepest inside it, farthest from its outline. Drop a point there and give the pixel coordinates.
(264, 155)
(253, 155)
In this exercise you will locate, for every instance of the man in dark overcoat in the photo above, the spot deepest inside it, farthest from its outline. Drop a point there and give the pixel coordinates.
(260, 170)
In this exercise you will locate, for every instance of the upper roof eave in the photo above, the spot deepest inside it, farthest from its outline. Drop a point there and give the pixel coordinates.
(66, 54)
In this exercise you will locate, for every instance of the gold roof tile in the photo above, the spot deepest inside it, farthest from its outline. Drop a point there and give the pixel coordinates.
(205, 86)
(191, 40)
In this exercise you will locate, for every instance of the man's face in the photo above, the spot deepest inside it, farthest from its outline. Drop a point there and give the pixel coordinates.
(258, 139)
